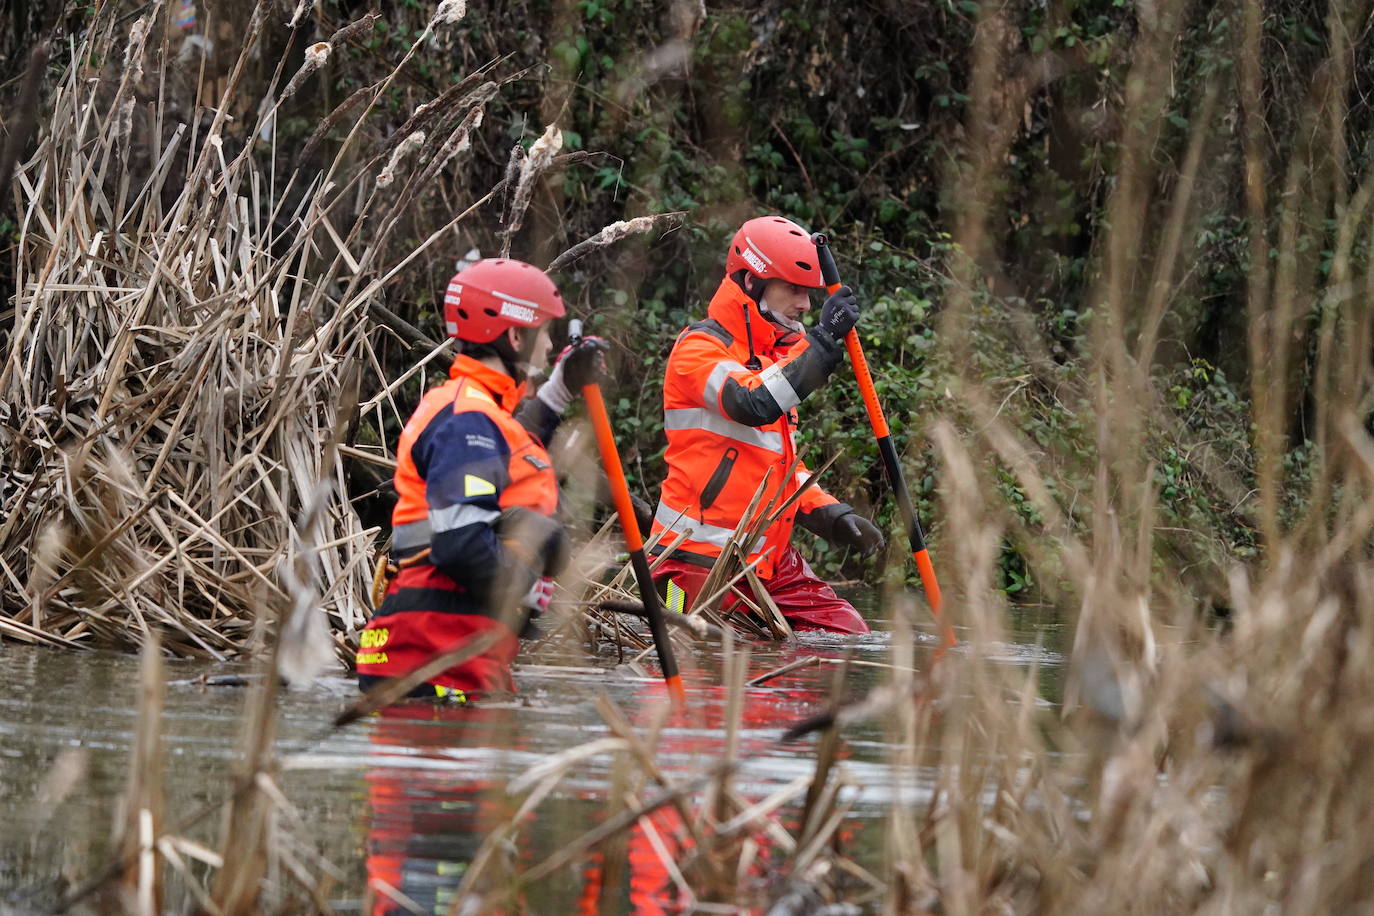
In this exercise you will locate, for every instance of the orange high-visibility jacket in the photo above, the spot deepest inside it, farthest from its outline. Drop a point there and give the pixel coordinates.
(728, 426)
(462, 460)
(460, 477)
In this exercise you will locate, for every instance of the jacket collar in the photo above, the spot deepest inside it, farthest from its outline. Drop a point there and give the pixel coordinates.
(501, 387)
(728, 306)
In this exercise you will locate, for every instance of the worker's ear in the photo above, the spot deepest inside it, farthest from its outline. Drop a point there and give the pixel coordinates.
(522, 342)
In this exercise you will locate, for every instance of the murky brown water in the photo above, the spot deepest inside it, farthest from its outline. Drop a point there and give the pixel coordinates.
(405, 798)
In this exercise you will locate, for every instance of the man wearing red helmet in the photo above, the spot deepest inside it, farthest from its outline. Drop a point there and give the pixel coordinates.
(730, 393)
(474, 538)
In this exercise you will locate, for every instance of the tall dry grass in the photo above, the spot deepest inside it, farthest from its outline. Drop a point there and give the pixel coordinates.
(1193, 768)
(191, 324)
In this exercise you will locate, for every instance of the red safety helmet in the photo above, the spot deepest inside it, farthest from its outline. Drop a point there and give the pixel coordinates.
(770, 247)
(494, 294)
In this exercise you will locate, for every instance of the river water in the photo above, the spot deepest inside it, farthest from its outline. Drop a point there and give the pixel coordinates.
(403, 799)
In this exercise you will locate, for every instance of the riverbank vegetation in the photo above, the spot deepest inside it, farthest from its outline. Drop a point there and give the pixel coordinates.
(1115, 267)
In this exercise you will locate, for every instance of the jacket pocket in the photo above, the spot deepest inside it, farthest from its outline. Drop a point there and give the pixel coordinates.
(718, 478)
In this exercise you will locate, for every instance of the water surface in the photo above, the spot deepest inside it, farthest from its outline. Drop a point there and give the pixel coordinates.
(404, 799)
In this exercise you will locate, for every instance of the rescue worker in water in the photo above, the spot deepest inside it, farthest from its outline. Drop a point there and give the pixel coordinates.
(730, 395)
(475, 543)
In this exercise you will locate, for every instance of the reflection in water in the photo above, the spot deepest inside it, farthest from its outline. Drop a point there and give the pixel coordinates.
(428, 823)
(406, 799)
(424, 831)
(436, 791)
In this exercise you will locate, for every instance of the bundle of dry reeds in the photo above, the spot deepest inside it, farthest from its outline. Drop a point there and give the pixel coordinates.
(191, 325)
(188, 326)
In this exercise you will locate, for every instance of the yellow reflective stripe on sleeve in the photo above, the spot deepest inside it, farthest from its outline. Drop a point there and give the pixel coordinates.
(472, 391)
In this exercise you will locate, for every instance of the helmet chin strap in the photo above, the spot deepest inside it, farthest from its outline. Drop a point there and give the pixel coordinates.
(754, 288)
(787, 325)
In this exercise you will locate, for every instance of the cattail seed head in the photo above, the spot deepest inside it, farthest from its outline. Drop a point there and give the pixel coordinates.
(449, 12)
(407, 146)
(317, 54)
(133, 53)
(315, 57)
(124, 119)
(544, 149)
(540, 158)
(301, 7)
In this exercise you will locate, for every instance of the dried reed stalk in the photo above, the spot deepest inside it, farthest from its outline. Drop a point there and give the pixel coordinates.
(171, 382)
(613, 233)
(143, 802)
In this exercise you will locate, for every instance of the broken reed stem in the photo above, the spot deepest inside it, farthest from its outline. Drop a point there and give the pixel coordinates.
(143, 802)
(795, 665)
(613, 233)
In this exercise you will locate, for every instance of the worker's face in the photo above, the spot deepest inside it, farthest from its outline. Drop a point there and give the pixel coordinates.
(786, 300)
(535, 345)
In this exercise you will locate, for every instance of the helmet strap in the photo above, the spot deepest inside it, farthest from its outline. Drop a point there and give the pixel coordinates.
(785, 326)
(529, 338)
(788, 332)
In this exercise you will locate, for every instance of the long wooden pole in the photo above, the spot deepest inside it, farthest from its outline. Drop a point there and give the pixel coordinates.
(830, 274)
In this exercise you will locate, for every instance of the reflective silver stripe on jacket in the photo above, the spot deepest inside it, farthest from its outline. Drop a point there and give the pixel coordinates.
(711, 393)
(712, 422)
(412, 535)
(677, 523)
(779, 387)
(451, 518)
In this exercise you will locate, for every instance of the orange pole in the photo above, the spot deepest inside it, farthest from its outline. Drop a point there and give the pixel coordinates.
(620, 497)
(831, 274)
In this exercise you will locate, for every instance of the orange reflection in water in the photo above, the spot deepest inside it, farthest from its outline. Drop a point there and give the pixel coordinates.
(438, 790)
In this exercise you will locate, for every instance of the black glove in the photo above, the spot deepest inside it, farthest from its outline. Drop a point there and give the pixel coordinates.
(644, 515)
(840, 525)
(578, 364)
(853, 530)
(840, 313)
(538, 540)
(584, 362)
